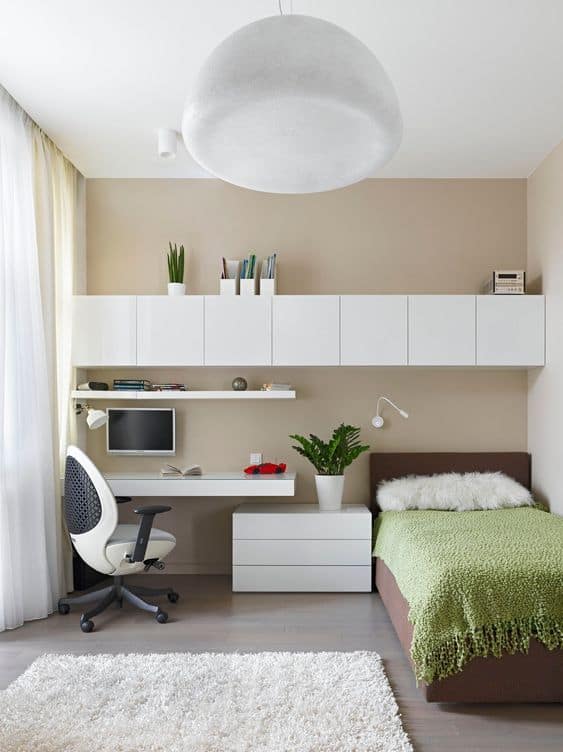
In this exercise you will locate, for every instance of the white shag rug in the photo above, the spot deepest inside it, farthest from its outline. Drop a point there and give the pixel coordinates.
(208, 702)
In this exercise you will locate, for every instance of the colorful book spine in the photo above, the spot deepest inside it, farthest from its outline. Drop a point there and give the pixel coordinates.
(126, 382)
(131, 389)
(168, 388)
(134, 385)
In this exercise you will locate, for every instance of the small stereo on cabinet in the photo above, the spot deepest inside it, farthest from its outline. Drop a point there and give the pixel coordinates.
(506, 283)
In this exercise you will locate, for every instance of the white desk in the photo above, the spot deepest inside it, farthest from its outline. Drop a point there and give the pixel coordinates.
(208, 484)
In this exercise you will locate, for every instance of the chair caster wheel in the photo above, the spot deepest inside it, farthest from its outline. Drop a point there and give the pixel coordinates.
(173, 597)
(87, 625)
(161, 617)
(64, 608)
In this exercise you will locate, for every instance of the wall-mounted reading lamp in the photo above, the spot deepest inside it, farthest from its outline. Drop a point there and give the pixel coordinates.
(377, 421)
(95, 418)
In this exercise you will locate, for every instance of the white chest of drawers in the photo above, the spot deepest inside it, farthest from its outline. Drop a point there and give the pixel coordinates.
(296, 547)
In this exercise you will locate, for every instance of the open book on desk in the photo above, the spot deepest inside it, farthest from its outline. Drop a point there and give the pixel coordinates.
(170, 471)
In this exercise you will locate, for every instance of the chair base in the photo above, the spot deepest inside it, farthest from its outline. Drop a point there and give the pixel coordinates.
(117, 593)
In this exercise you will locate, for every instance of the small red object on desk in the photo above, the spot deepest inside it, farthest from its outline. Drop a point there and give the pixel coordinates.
(266, 468)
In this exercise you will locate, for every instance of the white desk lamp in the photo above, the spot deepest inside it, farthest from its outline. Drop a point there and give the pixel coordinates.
(95, 418)
(377, 421)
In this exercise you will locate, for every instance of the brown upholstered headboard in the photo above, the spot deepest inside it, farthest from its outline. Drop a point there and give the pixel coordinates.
(384, 466)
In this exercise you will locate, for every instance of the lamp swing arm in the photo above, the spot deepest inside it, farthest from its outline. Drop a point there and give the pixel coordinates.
(390, 402)
(378, 421)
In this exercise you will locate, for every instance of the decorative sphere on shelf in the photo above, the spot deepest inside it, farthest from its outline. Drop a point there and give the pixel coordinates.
(239, 384)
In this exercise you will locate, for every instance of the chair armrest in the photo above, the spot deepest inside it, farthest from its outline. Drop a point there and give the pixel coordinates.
(122, 499)
(144, 532)
(152, 510)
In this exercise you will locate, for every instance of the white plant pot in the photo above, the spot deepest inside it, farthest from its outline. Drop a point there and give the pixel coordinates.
(330, 489)
(176, 288)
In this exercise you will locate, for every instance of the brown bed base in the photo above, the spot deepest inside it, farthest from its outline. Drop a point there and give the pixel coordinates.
(533, 677)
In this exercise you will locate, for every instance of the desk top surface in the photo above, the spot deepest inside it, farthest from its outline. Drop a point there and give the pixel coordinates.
(144, 476)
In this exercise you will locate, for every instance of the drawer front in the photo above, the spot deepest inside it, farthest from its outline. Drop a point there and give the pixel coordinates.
(297, 526)
(308, 552)
(284, 579)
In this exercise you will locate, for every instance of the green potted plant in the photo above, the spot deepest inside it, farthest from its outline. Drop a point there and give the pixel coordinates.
(330, 459)
(176, 284)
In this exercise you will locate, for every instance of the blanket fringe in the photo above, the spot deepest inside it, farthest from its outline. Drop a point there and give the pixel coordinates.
(491, 640)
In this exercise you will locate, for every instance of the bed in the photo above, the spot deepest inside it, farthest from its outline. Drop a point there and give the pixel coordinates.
(536, 676)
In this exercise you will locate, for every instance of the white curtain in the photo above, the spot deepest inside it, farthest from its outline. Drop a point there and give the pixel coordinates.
(39, 194)
(59, 204)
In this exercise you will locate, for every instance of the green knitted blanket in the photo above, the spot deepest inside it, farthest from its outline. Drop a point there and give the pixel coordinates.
(477, 583)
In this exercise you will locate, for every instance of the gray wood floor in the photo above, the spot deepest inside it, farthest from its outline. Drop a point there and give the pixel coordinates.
(211, 618)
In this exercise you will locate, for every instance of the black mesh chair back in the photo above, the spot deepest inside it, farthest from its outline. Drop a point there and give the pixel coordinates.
(82, 505)
(90, 509)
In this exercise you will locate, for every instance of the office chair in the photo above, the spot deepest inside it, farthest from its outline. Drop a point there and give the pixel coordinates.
(91, 516)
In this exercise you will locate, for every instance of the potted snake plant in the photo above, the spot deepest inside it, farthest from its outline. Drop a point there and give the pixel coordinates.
(330, 459)
(176, 284)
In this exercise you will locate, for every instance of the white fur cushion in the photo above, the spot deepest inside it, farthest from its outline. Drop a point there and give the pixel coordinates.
(452, 491)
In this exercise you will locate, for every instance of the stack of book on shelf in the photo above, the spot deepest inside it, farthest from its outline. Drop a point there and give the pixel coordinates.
(131, 385)
(170, 471)
(248, 269)
(276, 387)
(168, 388)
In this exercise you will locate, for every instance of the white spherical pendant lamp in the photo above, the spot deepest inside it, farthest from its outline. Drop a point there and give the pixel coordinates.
(292, 104)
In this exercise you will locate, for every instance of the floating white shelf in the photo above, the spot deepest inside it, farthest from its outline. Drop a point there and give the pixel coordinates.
(208, 484)
(177, 395)
(93, 395)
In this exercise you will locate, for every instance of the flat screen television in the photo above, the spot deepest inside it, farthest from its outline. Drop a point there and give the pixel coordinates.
(141, 430)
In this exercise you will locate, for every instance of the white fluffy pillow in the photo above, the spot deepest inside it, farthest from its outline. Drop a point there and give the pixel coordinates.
(452, 491)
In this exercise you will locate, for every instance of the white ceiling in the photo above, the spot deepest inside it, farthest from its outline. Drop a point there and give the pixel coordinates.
(480, 82)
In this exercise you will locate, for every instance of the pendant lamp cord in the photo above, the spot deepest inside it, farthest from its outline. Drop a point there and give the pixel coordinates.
(280, 7)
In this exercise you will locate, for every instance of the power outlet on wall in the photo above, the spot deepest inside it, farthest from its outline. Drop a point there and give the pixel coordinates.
(255, 458)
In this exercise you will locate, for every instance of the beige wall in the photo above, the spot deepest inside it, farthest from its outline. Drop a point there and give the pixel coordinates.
(379, 236)
(545, 269)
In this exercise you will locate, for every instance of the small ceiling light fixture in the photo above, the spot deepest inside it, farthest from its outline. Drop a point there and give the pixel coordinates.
(167, 143)
(94, 418)
(377, 421)
(292, 104)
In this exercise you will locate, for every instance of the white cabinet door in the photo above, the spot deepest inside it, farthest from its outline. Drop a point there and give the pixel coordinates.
(373, 330)
(238, 331)
(510, 330)
(104, 331)
(306, 330)
(442, 330)
(170, 330)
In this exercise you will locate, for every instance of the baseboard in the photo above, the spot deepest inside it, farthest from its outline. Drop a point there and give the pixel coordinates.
(181, 567)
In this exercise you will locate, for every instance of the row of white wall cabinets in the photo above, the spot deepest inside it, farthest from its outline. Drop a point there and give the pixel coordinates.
(309, 330)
